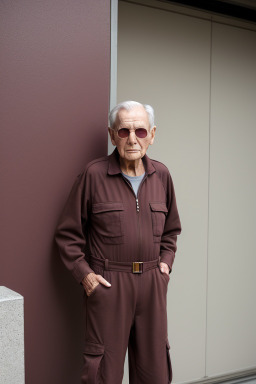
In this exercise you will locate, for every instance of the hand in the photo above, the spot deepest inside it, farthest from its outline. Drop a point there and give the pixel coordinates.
(91, 281)
(164, 268)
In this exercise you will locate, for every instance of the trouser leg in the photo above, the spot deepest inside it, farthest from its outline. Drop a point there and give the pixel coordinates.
(148, 350)
(132, 310)
(108, 318)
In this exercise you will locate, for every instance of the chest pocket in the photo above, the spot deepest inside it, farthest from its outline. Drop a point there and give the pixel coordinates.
(108, 222)
(158, 215)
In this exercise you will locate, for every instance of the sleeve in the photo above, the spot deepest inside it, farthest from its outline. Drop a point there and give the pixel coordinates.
(172, 227)
(69, 234)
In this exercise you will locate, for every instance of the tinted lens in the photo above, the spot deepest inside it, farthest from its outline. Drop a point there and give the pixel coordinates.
(123, 133)
(141, 133)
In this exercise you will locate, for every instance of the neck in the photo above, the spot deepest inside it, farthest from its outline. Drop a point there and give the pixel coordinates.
(132, 168)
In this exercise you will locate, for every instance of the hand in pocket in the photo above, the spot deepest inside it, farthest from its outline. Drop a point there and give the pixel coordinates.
(91, 281)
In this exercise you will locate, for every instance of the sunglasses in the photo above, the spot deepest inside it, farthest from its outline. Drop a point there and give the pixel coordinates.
(123, 133)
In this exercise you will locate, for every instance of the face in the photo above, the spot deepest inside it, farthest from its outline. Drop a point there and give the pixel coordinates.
(132, 148)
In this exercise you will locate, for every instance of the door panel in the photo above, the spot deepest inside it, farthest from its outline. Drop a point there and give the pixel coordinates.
(231, 326)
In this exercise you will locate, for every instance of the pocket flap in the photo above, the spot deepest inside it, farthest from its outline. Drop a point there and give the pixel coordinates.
(107, 207)
(93, 349)
(158, 207)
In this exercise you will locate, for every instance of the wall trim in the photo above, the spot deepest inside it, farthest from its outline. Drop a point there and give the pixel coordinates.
(113, 53)
(113, 60)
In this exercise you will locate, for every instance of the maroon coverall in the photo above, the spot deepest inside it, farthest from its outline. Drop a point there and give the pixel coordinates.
(105, 229)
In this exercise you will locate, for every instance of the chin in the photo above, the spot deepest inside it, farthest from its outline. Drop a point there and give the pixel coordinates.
(133, 156)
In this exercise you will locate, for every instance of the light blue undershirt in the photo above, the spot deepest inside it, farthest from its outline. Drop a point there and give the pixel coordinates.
(135, 181)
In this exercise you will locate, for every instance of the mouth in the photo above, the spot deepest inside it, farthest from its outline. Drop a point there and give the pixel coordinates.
(132, 150)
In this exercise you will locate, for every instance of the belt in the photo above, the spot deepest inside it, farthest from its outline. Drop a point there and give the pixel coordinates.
(124, 266)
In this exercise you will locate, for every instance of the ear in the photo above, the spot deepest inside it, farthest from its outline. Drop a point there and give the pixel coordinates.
(112, 135)
(153, 132)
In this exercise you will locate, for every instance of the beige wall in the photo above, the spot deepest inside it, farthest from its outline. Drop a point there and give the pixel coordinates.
(201, 79)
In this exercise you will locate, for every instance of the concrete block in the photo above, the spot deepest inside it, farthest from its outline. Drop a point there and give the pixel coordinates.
(11, 337)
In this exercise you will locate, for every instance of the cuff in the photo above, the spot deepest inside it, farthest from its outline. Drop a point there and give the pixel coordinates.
(168, 258)
(81, 269)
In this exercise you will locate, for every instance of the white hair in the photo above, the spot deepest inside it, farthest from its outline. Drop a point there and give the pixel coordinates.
(128, 105)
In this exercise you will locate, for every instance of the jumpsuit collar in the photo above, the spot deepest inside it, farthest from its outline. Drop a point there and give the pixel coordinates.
(114, 165)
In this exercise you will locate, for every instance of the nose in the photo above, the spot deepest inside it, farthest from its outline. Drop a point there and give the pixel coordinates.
(132, 138)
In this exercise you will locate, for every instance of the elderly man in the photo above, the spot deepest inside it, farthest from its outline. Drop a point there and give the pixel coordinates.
(117, 235)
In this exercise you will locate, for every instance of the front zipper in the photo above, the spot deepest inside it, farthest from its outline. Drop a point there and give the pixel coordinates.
(137, 205)
(137, 209)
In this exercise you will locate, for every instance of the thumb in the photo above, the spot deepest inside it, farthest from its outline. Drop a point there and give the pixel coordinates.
(103, 281)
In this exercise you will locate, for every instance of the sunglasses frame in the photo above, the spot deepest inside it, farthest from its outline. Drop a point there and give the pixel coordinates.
(130, 130)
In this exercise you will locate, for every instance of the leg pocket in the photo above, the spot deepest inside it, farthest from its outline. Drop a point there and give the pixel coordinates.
(93, 355)
(169, 364)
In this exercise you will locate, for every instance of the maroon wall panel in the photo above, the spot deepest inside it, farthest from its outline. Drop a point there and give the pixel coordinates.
(55, 63)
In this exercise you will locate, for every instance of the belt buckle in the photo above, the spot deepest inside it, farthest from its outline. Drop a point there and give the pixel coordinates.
(137, 266)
